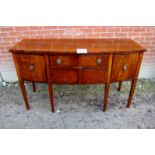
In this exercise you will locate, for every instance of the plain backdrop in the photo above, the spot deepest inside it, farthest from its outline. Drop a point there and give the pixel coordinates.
(81, 13)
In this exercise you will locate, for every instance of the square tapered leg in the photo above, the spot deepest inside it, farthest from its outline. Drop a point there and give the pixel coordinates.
(106, 93)
(22, 86)
(50, 89)
(132, 89)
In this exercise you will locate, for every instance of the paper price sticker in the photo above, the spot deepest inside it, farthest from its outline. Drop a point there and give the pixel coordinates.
(81, 51)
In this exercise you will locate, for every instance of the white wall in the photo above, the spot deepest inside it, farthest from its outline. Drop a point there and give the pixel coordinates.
(147, 72)
(11, 76)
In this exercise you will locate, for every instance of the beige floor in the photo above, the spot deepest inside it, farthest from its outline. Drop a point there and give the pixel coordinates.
(78, 107)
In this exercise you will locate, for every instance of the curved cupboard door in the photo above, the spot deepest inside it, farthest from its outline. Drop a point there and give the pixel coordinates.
(124, 67)
(32, 67)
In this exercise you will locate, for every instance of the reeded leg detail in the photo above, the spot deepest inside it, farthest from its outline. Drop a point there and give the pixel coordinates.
(22, 86)
(106, 93)
(50, 89)
(119, 86)
(132, 89)
(33, 86)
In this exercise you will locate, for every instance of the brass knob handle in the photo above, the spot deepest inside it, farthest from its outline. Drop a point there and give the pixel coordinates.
(125, 67)
(99, 61)
(31, 67)
(58, 61)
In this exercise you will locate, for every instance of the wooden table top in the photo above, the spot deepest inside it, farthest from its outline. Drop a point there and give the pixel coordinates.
(70, 46)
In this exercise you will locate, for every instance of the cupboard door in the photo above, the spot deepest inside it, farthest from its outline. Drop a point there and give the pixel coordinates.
(32, 67)
(64, 76)
(124, 67)
(91, 76)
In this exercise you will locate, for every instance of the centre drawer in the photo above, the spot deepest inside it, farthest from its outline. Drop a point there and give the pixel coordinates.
(93, 60)
(63, 60)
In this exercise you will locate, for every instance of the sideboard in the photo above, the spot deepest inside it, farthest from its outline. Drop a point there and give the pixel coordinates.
(77, 61)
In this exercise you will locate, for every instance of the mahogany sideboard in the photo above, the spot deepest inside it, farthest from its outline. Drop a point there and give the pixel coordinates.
(77, 61)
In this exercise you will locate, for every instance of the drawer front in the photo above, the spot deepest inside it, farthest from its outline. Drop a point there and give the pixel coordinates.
(92, 76)
(32, 67)
(64, 61)
(64, 76)
(93, 60)
(124, 67)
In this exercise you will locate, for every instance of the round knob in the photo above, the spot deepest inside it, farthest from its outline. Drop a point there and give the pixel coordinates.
(31, 67)
(125, 67)
(58, 61)
(99, 61)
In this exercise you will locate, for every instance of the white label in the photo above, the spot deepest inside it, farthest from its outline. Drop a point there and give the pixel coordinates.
(81, 51)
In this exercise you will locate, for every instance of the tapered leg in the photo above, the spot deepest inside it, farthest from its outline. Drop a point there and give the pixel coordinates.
(33, 86)
(50, 89)
(132, 89)
(22, 86)
(119, 86)
(106, 93)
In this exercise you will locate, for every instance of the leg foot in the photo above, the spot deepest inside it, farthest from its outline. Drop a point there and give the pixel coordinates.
(22, 86)
(106, 93)
(132, 89)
